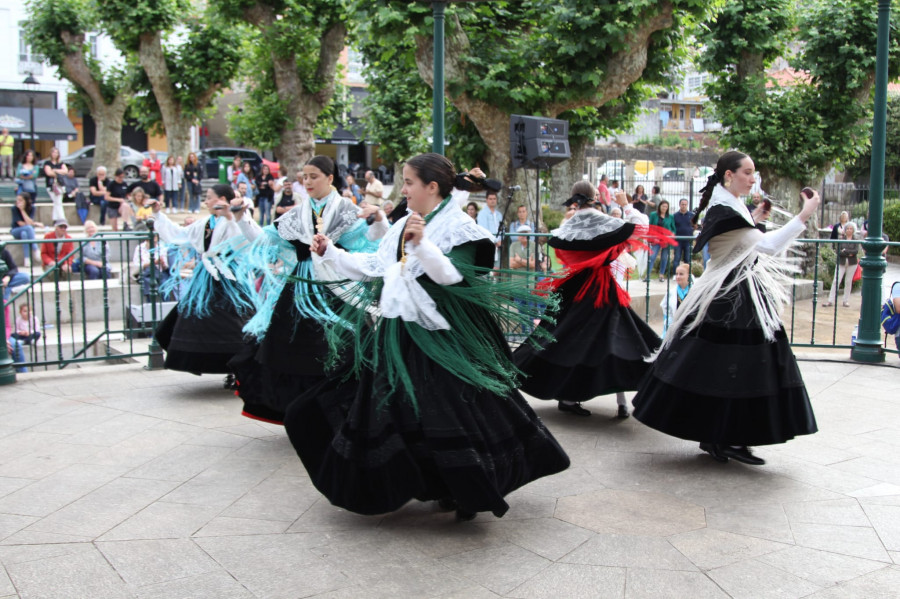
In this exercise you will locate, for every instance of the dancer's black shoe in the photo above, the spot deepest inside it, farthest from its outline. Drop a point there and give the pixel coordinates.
(464, 516)
(741, 454)
(713, 450)
(573, 408)
(622, 412)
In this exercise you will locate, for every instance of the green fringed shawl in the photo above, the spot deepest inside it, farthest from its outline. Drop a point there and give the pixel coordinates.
(474, 350)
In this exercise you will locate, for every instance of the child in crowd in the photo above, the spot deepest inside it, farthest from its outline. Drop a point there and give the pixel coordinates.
(145, 208)
(28, 328)
(676, 295)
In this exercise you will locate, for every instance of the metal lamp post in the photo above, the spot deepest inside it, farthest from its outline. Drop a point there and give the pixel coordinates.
(437, 111)
(868, 346)
(31, 84)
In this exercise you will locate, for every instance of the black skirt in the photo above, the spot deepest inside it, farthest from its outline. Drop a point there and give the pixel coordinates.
(202, 345)
(368, 450)
(289, 360)
(725, 383)
(597, 350)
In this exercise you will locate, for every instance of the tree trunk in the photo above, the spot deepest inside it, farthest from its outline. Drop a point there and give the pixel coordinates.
(178, 136)
(565, 174)
(153, 60)
(107, 116)
(177, 119)
(298, 141)
(398, 183)
(108, 119)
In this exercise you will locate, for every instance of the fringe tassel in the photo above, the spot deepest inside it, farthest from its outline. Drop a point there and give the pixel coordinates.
(473, 349)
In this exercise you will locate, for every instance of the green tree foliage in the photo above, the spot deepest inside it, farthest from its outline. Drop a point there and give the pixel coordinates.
(398, 105)
(891, 224)
(187, 53)
(57, 29)
(795, 132)
(291, 75)
(201, 60)
(591, 62)
(859, 168)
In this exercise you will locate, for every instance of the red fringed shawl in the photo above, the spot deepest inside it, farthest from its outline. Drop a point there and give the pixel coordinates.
(597, 262)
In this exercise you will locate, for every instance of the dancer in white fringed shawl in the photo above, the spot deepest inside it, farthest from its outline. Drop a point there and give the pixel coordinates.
(205, 330)
(725, 375)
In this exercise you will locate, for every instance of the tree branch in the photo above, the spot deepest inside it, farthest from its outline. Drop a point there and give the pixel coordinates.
(624, 67)
(329, 52)
(77, 70)
(153, 60)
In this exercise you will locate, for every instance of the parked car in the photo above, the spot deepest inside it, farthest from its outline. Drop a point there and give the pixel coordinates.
(83, 161)
(209, 160)
(676, 183)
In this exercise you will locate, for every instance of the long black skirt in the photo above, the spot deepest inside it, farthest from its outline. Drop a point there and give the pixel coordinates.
(368, 449)
(725, 383)
(289, 360)
(202, 345)
(596, 351)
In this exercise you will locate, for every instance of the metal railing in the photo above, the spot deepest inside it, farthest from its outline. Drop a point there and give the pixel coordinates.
(94, 321)
(807, 321)
(73, 318)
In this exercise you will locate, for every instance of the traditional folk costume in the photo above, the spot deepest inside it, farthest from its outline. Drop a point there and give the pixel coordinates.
(600, 343)
(286, 349)
(725, 374)
(204, 331)
(430, 410)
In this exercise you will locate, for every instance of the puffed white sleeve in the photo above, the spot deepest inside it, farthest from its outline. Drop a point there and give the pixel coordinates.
(436, 265)
(346, 264)
(774, 242)
(169, 231)
(249, 227)
(378, 228)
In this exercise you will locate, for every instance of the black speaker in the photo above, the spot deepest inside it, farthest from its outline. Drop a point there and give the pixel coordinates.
(537, 142)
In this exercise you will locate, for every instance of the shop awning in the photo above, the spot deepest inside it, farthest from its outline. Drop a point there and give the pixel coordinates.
(49, 123)
(342, 137)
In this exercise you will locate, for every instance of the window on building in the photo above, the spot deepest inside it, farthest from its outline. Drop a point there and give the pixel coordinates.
(355, 66)
(92, 40)
(693, 112)
(25, 52)
(681, 113)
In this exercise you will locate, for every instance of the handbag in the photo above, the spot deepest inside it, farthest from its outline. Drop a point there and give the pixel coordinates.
(26, 186)
(858, 274)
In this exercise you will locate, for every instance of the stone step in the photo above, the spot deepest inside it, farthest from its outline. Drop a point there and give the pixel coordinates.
(121, 293)
(120, 247)
(43, 213)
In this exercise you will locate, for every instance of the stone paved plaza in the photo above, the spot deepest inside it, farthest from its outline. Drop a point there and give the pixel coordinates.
(118, 482)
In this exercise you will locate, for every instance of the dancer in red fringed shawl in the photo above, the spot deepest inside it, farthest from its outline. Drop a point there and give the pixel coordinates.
(600, 343)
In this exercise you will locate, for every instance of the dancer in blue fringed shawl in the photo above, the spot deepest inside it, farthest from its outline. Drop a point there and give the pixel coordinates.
(430, 410)
(286, 348)
(205, 330)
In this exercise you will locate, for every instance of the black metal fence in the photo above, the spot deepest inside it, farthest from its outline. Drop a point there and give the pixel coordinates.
(58, 315)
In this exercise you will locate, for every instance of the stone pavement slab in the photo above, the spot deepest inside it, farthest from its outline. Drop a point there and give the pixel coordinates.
(118, 482)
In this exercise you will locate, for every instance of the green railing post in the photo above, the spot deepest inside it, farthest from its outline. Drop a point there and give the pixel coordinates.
(155, 361)
(7, 372)
(868, 346)
(437, 114)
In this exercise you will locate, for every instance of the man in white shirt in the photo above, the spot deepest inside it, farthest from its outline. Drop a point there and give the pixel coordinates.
(491, 219)
(298, 188)
(374, 189)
